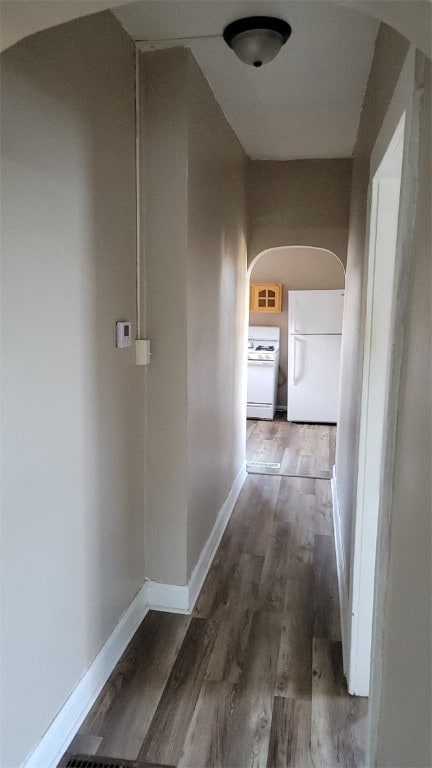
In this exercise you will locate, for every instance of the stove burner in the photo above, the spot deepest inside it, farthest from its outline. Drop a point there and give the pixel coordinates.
(264, 349)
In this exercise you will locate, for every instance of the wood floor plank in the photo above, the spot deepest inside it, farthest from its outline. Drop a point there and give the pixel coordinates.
(322, 513)
(215, 592)
(338, 720)
(302, 537)
(207, 738)
(259, 513)
(228, 655)
(294, 670)
(206, 598)
(164, 740)
(85, 744)
(250, 427)
(122, 713)
(290, 734)
(248, 733)
(227, 563)
(272, 586)
(332, 445)
(292, 502)
(292, 450)
(326, 593)
(272, 449)
(320, 455)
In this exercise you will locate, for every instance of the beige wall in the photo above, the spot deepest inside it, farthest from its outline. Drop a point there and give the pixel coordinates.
(297, 269)
(195, 307)
(405, 711)
(216, 306)
(72, 404)
(298, 202)
(390, 53)
(165, 171)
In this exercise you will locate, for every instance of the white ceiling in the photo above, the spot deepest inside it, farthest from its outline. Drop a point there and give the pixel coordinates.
(304, 104)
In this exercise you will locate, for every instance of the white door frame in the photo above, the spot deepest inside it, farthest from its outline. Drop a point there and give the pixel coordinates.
(384, 194)
(378, 415)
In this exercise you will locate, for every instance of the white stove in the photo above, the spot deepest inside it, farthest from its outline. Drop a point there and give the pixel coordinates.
(263, 369)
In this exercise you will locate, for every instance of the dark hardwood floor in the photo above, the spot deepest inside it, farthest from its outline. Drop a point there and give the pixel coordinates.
(254, 677)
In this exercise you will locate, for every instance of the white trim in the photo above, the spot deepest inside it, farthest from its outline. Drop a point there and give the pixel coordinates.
(408, 95)
(342, 575)
(181, 599)
(152, 596)
(201, 569)
(293, 245)
(172, 598)
(381, 258)
(66, 723)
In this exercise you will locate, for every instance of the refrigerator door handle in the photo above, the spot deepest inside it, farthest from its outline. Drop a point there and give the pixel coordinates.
(294, 379)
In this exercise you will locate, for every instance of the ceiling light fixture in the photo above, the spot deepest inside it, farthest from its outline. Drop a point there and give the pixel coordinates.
(256, 40)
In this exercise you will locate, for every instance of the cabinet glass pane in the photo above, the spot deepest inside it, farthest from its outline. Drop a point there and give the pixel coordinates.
(262, 293)
(272, 294)
(261, 302)
(271, 303)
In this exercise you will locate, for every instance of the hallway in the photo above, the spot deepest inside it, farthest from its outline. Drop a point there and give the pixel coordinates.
(254, 676)
(137, 189)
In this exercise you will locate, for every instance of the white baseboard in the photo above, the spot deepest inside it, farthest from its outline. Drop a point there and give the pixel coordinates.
(63, 728)
(152, 596)
(201, 569)
(172, 598)
(341, 570)
(181, 599)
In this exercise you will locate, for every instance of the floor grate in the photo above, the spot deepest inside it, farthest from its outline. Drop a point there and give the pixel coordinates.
(90, 761)
(263, 464)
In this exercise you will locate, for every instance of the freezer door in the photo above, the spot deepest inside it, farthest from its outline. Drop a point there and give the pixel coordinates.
(315, 311)
(313, 378)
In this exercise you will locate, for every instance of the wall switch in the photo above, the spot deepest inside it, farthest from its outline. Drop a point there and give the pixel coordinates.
(142, 351)
(123, 334)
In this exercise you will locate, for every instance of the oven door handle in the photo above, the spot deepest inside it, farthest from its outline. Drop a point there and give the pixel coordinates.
(260, 362)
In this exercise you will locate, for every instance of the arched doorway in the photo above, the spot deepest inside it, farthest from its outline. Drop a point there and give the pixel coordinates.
(297, 267)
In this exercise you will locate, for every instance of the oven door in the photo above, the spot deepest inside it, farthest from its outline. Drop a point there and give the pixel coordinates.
(260, 388)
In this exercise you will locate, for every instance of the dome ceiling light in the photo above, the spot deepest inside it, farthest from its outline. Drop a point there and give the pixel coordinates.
(256, 40)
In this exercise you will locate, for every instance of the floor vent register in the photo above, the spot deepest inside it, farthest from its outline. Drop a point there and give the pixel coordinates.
(91, 761)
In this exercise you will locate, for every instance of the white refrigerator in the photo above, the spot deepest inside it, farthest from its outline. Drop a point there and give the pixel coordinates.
(314, 346)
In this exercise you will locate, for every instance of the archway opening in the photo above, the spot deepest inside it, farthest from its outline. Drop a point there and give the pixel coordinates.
(296, 268)
(293, 377)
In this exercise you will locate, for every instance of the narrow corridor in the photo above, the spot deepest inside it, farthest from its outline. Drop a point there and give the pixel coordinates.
(254, 676)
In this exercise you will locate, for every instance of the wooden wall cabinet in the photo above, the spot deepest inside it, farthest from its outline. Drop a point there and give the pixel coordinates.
(266, 297)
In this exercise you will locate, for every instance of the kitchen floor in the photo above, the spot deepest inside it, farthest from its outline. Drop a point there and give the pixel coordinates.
(280, 447)
(254, 676)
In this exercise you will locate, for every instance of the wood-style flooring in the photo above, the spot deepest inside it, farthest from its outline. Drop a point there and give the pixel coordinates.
(253, 679)
(306, 450)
